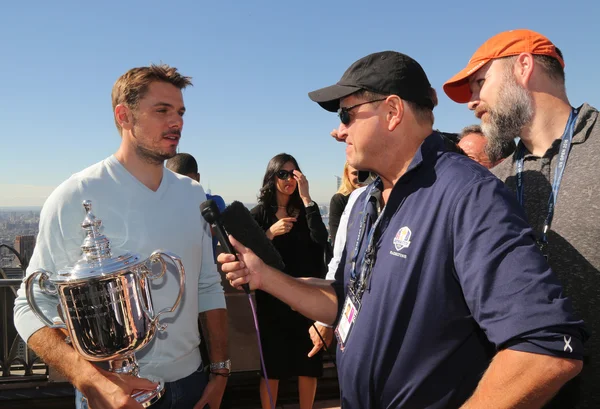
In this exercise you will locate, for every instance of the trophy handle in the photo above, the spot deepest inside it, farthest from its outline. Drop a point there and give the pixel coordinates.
(44, 275)
(158, 256)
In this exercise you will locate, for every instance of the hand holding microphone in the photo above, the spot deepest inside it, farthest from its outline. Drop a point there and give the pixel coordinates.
(252, 244)
(252, 247)
(243, 269)
(212, 215)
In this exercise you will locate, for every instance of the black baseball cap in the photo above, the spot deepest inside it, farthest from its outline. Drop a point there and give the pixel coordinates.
(387, 73)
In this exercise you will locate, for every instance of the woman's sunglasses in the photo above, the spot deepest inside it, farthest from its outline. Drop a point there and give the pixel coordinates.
(285, 174)
(344, 113)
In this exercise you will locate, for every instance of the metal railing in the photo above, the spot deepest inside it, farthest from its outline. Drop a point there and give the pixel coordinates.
(17, 361)
(23, 262)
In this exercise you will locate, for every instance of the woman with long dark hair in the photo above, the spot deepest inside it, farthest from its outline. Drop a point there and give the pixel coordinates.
(291, 219)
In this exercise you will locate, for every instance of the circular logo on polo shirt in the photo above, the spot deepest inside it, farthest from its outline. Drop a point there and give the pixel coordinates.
(402, 239)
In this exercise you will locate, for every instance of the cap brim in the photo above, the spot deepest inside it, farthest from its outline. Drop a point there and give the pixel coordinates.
(329, 97)
(457, 88)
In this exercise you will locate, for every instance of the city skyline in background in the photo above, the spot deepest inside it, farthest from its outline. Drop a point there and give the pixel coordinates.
(19, 228)
(252, 66)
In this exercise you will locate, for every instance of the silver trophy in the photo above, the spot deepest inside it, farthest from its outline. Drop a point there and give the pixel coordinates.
(105, 303)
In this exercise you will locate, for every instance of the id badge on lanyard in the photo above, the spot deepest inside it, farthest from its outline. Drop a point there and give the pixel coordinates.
(346, 324)
(357, 285)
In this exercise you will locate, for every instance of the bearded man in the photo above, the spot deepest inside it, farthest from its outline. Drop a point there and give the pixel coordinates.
(515, 83)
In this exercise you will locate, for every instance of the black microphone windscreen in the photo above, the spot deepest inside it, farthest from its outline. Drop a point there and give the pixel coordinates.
(238, 222)
(209, 210)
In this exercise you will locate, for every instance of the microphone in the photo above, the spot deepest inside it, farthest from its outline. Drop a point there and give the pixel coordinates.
(212, 215)
(240, 224)
(237, 220)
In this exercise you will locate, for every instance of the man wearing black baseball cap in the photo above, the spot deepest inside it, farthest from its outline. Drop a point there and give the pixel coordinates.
(403, 77)
(440, 274)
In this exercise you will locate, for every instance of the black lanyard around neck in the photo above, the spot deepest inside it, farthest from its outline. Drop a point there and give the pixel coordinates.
(565, 147)
(358, 283)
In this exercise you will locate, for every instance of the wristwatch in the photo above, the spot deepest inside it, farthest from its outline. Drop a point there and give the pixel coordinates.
(312, 203)
(215, 366)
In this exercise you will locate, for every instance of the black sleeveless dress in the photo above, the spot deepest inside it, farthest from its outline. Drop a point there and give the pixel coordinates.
(284, 332)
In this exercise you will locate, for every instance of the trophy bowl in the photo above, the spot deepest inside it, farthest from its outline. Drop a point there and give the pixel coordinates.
(105, 303)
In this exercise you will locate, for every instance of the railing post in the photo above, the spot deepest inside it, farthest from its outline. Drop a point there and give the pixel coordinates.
(5, 325)
(5, 358)
(7, 290)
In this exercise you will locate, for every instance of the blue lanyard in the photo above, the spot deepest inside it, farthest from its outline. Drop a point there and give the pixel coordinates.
(360, 284)
(565, 147)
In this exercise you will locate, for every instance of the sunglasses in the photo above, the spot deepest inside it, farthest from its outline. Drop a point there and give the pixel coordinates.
(285, 174)
(344, 113)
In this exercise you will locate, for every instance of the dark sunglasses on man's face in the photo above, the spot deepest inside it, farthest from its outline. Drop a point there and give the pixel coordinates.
(285, 174)
(344, 112)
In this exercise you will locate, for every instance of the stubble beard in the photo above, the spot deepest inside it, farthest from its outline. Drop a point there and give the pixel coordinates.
(513, 111)
(146, 154)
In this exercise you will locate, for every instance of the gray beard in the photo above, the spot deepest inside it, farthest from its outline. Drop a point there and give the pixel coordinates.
(513, 111)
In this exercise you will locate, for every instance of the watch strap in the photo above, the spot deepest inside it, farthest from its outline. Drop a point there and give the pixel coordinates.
(215, 366)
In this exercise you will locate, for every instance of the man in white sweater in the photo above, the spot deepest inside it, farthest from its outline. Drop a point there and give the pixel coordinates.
(143, 207)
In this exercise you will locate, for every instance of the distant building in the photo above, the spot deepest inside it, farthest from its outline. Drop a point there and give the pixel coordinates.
(338, 181)
(24, 245)
(6, 258)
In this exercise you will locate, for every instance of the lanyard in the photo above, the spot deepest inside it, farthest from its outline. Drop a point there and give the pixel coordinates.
(565, 147)
(358, 284)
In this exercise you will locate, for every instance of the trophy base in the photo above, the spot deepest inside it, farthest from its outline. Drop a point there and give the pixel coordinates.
(146, 397)
(143, 397)
(127, 364)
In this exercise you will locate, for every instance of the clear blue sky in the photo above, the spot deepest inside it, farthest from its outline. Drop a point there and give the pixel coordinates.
(252, 62)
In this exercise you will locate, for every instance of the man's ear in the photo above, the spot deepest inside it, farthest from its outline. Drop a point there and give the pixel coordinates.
(523, 68)
(395, 108)
(124, 116)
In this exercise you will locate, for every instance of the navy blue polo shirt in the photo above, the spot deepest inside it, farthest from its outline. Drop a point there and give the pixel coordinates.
(457, 277)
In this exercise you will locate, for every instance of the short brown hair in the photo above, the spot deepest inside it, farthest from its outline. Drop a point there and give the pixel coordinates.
(133, 85)
(423, 114)
(551, 66)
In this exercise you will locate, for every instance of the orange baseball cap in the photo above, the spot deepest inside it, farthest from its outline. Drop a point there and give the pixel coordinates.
(505, 44)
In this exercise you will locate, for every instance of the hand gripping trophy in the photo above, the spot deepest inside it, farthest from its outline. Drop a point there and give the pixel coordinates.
(105, 303)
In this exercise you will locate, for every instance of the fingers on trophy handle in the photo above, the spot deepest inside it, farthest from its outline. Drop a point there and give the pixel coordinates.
(42, 277)
(159, 256)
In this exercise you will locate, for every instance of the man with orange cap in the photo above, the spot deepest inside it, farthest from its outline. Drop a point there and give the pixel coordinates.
(515, 83)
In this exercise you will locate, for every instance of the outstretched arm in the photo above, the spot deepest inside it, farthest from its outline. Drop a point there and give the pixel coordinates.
(317, 301)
